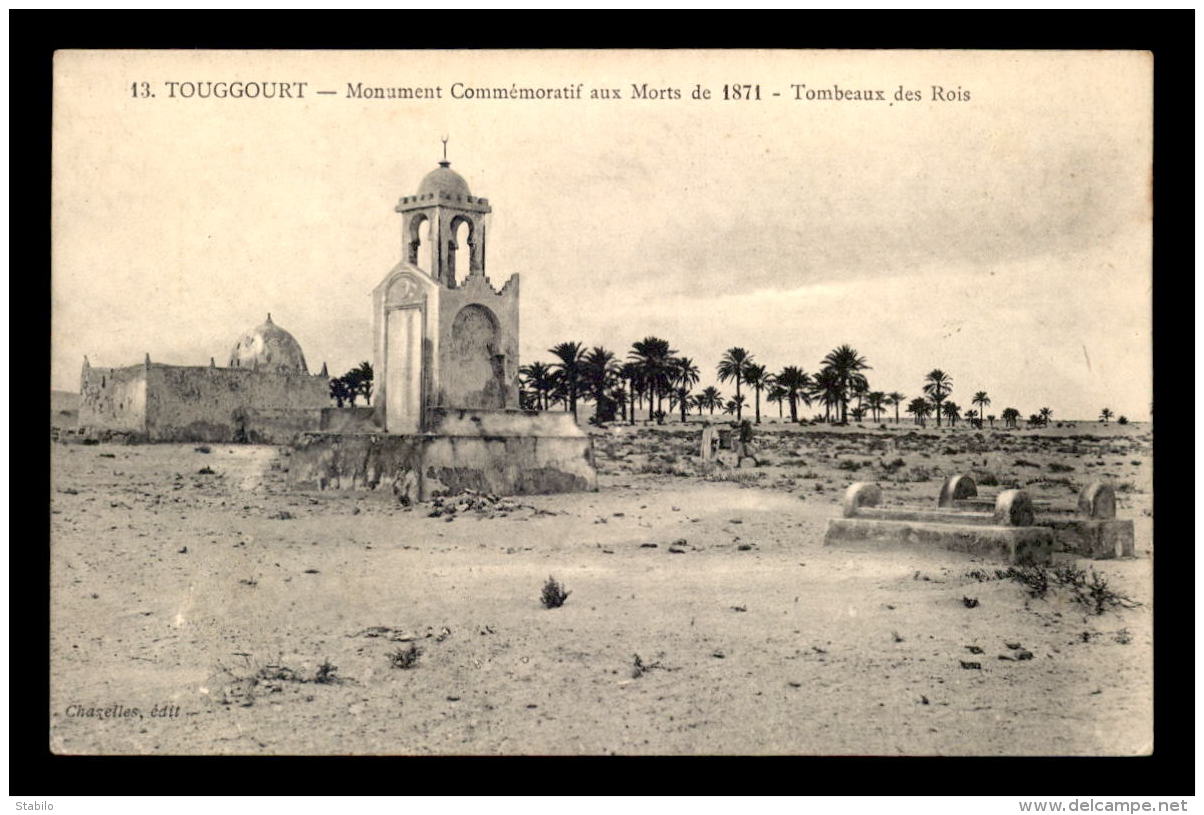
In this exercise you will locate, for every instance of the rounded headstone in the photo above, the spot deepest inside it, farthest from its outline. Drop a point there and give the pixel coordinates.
(1013, 508)
(955, 487)
(861, 494)
(1098, 500)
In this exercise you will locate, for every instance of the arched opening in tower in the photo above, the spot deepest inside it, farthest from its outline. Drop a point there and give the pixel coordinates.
(460, 250)
(419, 242)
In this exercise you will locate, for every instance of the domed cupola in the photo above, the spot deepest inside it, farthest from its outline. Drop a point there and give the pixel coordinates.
(269, 348)
(444, 183)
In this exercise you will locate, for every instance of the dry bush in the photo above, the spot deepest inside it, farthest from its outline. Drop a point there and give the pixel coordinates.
(405, 658)
(553, 594)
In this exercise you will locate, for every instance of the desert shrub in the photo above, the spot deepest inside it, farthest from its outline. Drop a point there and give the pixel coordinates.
(1022, 463)
(1092, 592)
(850, 465)
(985, 479)
(1126, 486)
(639, 667)
(405, 658)
(1057, 467)
(325, 675)
(91, 442)
(893, 466)
(914, 474)
(982, 575)
(1099, 597)
(553, 594)
(745, 476)
(1053, 482)
(1035, 579)
(204, 448)
(1123, 420)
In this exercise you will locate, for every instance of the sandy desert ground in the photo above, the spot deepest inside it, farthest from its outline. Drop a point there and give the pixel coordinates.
(225, 614)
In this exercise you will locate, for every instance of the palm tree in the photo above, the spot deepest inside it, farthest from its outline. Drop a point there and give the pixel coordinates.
(734, 405)
(598, 368)
(755, 375)
(895, 398)
(796, 382)
(1045, 413)
(827, 388)
(938, 387)
(1010, 416)
(629, 372)
(859, 388)
(991, 419)
(685, 376)
(570, 355)
(711, 398)
(876, 400)
(652, 355)
(777, 394)
(847, 365)
(982, 400)
(540, 379)
(619, 395)
(362, 376)
(731, 366)
(952, 411)
(919, 408)
(697, 401)
(1105, 415)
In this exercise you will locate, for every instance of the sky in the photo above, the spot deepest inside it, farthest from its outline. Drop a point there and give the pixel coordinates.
(1004, 239)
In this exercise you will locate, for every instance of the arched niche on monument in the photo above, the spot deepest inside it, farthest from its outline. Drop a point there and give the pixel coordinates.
(475, 376)
(406, 325)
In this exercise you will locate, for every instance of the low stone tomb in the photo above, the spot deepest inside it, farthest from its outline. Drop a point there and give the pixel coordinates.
(1006, 532)
(1088, 528)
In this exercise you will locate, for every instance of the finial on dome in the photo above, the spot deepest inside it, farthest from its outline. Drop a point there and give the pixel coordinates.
(147, 363)
(445, 162)
(212, 362)
(324, 372)
(269, 316)
(86, 363)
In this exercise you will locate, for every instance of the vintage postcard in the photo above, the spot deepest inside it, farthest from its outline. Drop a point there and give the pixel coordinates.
(602, 403)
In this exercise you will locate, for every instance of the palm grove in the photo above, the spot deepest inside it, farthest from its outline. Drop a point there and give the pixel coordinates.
(653, 380)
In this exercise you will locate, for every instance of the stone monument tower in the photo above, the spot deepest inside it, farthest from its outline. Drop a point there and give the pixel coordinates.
(444, 337)
(445, 348)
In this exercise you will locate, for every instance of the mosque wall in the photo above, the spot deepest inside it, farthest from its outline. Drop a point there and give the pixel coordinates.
(113, 399)
(179, 403)
(231, 404)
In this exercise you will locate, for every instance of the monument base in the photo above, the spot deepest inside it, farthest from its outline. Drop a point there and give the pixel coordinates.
(500, 452)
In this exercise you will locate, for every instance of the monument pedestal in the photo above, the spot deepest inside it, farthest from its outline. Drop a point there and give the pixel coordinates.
(500, 452)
